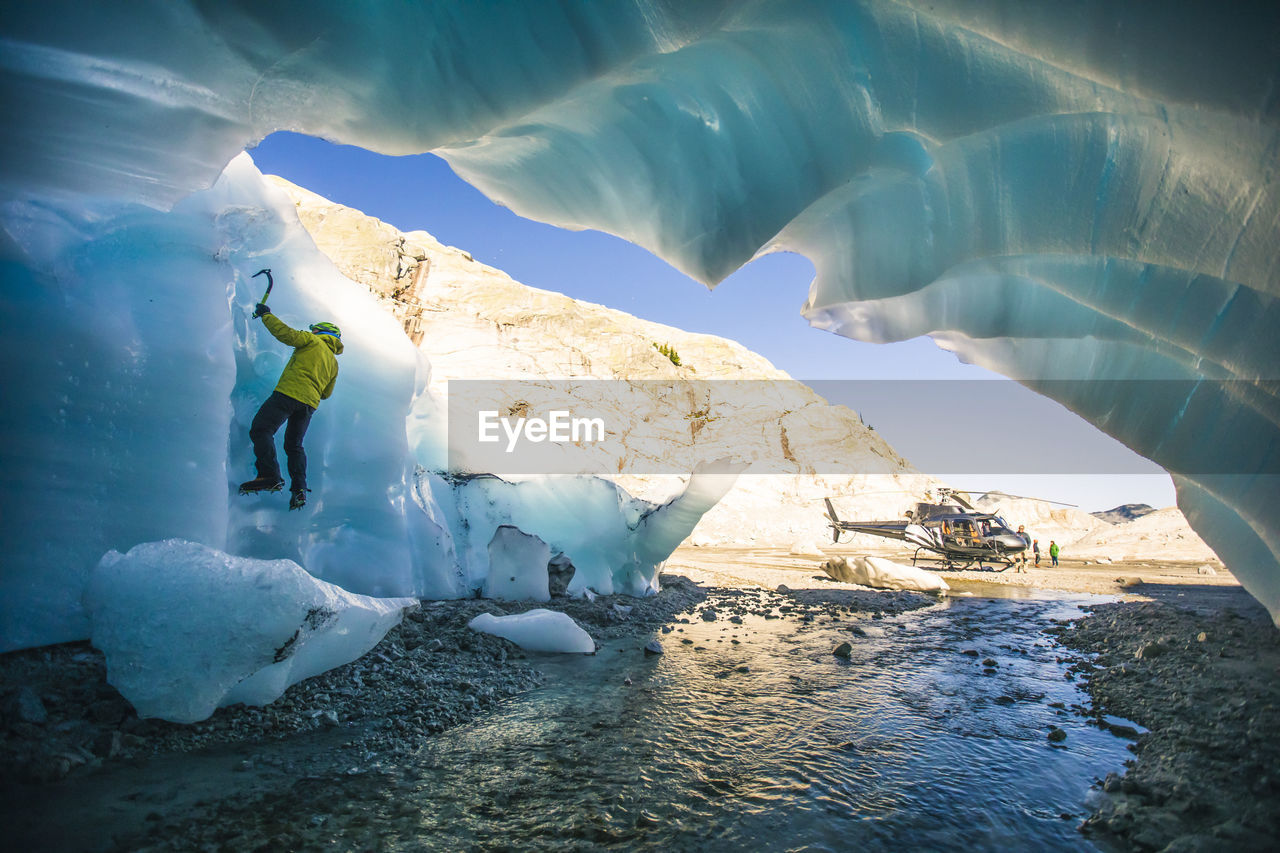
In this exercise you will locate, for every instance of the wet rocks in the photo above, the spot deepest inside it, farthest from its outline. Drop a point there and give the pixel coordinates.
(1201, 684)
(844, 650)
(653, 647)
(1150, 650)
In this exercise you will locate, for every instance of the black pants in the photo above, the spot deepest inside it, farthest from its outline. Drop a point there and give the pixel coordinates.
(276, 410)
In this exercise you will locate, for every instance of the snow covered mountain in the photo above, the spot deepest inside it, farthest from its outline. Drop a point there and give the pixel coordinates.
(1080, 196)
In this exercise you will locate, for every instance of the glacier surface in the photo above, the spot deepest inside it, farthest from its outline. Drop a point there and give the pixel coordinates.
(1080, 196)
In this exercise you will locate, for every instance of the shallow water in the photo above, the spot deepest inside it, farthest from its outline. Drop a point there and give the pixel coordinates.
(756, 737)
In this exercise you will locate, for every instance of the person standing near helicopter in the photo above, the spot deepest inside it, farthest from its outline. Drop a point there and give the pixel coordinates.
(1026, 540)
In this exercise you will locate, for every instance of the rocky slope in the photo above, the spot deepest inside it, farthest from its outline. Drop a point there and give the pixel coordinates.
(1159, 535)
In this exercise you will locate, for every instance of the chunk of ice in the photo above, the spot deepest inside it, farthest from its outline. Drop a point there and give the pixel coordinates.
(537, 630)
(880, 573)
(187, 629)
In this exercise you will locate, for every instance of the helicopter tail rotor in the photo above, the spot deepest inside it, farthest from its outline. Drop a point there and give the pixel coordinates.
(835, 521)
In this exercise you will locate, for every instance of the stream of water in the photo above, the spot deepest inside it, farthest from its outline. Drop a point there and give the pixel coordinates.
(754, 736)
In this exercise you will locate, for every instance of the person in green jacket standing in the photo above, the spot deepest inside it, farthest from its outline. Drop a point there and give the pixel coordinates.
(1053, 551)
(307, 379)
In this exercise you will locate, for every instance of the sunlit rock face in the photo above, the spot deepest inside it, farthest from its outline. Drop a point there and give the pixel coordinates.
(1078, 196)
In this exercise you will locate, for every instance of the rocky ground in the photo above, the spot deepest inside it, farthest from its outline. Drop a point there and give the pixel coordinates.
(61, 717)
(1205, 682)
(63, 723)
(1193, 663)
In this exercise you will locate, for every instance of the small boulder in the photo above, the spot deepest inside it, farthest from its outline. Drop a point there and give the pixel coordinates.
(653, 647)
(1149, 650)
(1057, 735)
(844, 650)
(1207, 570)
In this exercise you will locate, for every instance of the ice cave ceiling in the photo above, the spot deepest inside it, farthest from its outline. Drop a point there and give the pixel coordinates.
(1082, 196)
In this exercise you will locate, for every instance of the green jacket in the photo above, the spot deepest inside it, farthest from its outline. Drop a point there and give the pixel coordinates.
(1053, 550)
(312, 369)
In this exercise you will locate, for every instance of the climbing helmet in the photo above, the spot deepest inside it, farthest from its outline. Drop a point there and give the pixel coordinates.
(326, 329)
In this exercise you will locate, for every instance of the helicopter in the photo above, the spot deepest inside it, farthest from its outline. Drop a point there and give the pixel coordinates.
(952, 529)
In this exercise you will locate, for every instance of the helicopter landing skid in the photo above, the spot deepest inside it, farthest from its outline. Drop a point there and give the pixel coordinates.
(948, 565)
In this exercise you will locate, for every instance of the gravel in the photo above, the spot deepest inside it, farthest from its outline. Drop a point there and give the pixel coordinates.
(1204, 684)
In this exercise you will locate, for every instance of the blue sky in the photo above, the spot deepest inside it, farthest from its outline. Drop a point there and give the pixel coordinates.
(759, 306)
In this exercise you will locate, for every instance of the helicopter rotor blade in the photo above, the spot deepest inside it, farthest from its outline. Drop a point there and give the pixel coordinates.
(955, 495)
(998, 495)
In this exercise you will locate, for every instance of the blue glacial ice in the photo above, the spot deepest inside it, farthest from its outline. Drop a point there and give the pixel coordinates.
(187, 629)
(1080, 196)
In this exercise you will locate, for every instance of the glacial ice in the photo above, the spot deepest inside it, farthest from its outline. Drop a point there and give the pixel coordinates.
(537, 630)
(187, 629)
(880, 573)
(1081, 196)
(517, 566)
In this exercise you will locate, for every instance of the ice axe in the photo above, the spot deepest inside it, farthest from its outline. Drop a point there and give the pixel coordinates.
(270, 284)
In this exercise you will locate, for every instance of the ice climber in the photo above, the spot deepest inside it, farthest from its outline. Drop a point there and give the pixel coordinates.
(307, 379)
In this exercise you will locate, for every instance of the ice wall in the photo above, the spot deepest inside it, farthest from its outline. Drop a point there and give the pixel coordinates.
(133, 369)
(614, 541)
(1078, 192)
